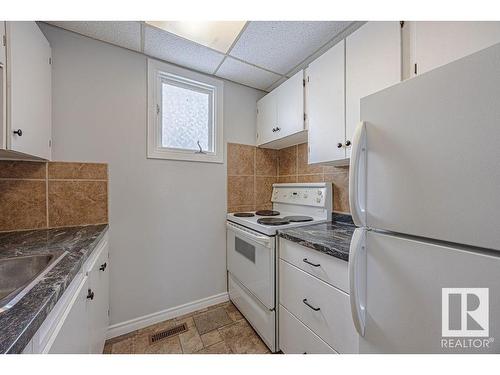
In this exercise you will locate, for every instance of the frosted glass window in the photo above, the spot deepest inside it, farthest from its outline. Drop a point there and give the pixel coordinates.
(186, 117)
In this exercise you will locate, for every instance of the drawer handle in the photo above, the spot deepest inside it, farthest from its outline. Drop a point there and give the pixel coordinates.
(90, 294)
(310, 306)
(103, 267)
(311, 264)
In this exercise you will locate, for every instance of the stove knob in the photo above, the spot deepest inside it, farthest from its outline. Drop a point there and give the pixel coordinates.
(305, 196)
(320, 192)
(318, 200)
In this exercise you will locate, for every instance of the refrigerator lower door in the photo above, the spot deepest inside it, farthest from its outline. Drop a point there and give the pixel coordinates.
(433, 154)
(429, 298)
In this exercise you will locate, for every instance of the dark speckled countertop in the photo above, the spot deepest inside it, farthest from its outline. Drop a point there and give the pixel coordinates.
(332, 238)
(19, 323)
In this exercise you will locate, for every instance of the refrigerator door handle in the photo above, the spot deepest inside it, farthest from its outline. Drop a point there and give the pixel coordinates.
(357, 279)
(357, 176)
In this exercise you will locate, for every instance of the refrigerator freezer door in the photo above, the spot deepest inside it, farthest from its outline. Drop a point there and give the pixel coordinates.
(433, 153)
(404, 312)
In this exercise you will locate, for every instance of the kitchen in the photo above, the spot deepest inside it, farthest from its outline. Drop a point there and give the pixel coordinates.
(276, 187)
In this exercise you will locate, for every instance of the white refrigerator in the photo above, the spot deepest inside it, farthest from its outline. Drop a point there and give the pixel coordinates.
(424, 190)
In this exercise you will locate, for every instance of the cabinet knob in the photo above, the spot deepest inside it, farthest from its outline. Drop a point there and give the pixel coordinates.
(347, 143)
(339, 145)
(103, 267)
(90, 294)
(19, 132)
(278, 129)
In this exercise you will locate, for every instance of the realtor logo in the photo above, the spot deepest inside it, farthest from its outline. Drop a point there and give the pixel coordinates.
(465, 312)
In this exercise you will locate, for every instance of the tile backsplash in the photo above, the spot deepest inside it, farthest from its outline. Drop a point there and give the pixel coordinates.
(251, 172)
(37, 195)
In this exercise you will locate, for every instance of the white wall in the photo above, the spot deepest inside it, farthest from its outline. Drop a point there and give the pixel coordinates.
(167, 218)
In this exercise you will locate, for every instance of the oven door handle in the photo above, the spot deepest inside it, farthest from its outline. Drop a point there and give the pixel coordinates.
(264, 240)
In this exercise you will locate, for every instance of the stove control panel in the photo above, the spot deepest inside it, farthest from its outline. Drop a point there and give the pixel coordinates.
(307, 195)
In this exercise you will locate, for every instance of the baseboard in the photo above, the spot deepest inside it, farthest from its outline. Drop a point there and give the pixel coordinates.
(160, 316)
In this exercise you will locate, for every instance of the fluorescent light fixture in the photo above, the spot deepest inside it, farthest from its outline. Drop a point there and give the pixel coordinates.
(218, 35)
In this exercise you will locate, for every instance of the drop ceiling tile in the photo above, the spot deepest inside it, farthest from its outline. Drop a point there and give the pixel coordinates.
(246, 74)
(276, 84)
(280, 45)
(122, 33)
(169, 47)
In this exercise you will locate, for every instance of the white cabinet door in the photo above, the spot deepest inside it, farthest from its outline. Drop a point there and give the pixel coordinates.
(29, 84)
(325, 100)
(99, 304)
(439, 43)
(2, 42)
(72, 336)
(373, 62)
(266, 118)
(290, 106)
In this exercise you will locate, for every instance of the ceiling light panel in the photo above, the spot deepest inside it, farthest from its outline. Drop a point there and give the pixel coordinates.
(218, 35)
(280, 45)
(170, 47)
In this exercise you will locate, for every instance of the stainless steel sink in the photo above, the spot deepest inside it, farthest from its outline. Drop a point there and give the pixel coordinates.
(20, 274)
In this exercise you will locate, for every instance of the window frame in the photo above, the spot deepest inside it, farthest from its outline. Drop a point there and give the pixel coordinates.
(160, 72)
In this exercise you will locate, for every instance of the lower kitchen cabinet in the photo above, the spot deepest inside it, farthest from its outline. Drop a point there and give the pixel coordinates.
(314, 313)
(78, 322)
(296, 338)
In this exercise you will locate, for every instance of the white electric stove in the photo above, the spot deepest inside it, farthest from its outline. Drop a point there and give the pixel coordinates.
(251, 249)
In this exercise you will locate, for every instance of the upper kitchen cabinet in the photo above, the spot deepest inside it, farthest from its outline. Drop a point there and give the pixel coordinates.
(325, 94)
(2, 43)
(373, 62)
(280, 115)
(29, 91)
(434, 44)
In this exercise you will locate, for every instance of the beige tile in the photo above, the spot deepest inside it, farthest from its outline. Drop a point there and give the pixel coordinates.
(211, 320)
(121, 337)
(211, 338)
(287, 161)
(233, 312)
(302, 161)
(186, 320)
(240, 160)
(77, 203)
(263, 189)
(158, 327)
(340, 190)
(218, 348)
(310, 178)
(264, 206)
(330, 169)
(123, 347)
(107, 348)
(78, 171)
(266, 162)
(190, 341)
(287, 179)
(240, 190)
(242, 339)
(171, 345)
(22, 204)
(22, 169)
(241, 208)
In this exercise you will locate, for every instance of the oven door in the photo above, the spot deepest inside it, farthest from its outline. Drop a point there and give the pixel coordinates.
(250, 260)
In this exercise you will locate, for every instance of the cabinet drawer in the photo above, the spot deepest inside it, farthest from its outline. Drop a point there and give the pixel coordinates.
(296, 338)
(331, 270)
(332, 320)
